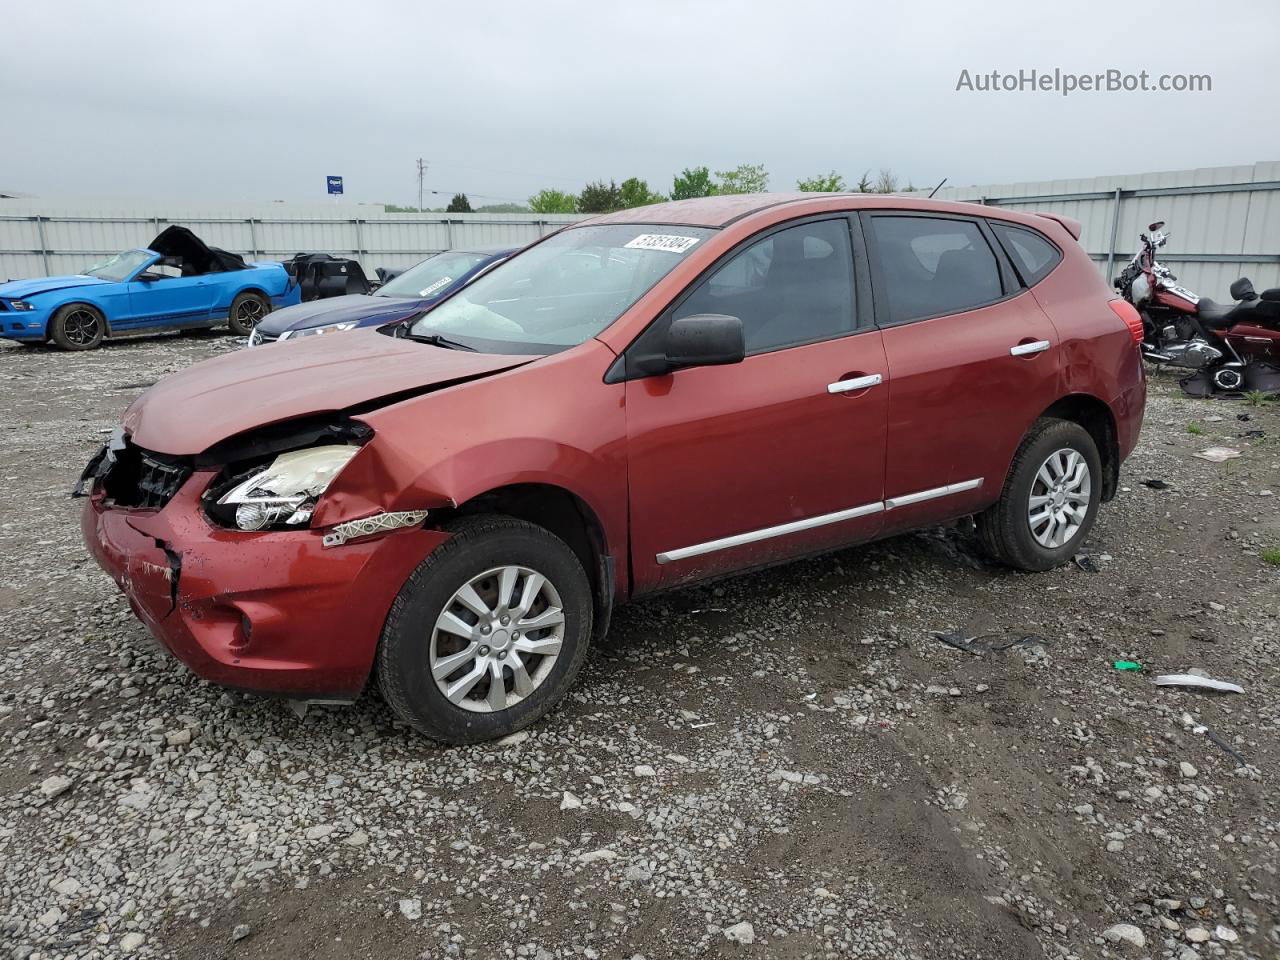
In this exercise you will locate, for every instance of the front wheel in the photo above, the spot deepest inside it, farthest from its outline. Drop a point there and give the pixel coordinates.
(77, 326)
(247, 311)
(1050, 498)
(488, 633)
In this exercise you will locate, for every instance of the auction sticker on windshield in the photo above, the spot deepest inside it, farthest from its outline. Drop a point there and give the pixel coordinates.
(442, 282)
(661, 241)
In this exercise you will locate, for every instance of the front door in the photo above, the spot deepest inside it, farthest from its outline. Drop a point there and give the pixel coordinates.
(783, 454)
(159, 297)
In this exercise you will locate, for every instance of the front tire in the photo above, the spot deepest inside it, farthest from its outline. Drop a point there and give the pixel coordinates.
(77, 326)
(1050, 498)
(488, 633)
(247, 311)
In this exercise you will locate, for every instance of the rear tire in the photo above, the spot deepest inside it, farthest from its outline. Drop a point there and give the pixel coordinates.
(441, 680)
(77, 326)
(1050, 498)
(247, 311)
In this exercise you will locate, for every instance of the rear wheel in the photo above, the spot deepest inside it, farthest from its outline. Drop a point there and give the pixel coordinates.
(247, 311)
(1050, 498)
(77, 326)
(488, 633)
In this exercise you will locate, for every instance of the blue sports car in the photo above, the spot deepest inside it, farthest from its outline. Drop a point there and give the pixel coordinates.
(176, 282)
(406, 294)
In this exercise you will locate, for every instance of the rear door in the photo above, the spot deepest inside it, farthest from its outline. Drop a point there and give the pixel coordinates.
(783, 454)
(972, 362)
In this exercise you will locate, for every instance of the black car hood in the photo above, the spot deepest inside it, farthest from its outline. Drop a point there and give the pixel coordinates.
(356, 306)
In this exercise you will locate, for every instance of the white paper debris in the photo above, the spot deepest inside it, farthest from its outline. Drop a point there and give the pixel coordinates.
(1218, 454)
(1191, 680)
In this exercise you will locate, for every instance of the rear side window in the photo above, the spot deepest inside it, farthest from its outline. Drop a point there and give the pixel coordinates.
(794, 286)
(1032, 254)
(932, 266)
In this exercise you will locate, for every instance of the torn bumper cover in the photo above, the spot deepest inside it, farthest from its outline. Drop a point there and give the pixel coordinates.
(274, 612)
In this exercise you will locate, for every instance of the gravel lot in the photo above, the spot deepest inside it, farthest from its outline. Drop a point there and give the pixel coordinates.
(786, 765)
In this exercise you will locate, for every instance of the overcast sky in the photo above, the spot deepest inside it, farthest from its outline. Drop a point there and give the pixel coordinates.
(261, 100)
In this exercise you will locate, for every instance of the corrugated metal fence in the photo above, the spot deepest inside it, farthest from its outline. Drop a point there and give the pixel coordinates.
(45, 240)
(1224, 221)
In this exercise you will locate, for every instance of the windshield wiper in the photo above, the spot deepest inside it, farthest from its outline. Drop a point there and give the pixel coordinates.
(436, 340)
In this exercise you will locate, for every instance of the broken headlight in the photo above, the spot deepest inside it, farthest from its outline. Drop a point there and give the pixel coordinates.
(284, 493)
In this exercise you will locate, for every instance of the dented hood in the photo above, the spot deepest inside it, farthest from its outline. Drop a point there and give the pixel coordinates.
(190, 411)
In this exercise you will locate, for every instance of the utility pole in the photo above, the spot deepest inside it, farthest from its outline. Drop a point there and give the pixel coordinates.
(422, 169)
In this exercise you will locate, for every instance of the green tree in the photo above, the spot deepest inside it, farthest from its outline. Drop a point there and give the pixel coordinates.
(744, 178)
(553, 201)
(503, 208)
(459, 204)
(823, 183)
(864, 182)
(599, 198)
(692, 182)
(635, 192)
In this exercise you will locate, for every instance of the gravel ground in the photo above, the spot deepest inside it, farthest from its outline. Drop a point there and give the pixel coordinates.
(786, 764)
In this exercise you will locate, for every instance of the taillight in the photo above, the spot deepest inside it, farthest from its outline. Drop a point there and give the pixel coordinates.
(1129, 314)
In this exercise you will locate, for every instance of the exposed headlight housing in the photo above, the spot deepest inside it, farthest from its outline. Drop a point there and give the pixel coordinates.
(21, 305)
(316, 331)
(284, 494)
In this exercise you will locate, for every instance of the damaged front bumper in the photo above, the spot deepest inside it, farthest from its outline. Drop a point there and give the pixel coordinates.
(274, 612)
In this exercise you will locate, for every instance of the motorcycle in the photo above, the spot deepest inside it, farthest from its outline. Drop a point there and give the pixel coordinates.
(1231, 347)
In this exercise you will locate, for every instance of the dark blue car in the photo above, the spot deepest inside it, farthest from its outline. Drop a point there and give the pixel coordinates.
(411, 292)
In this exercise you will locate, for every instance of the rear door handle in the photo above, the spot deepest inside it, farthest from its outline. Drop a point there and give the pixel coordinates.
(856, 383)
(1026, 349)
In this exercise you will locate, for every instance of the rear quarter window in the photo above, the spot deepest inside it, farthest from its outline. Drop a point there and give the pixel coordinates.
(1032, 254)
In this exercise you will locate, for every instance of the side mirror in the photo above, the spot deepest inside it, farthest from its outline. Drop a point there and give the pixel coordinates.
(1242, 289)
(705, 340)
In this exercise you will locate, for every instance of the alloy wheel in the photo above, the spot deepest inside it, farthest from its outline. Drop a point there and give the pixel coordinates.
(81, 327)
(250, 312)
(1059, 500)
(497, 639)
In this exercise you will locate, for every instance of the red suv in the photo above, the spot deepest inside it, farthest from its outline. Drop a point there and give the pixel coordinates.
(640, 401)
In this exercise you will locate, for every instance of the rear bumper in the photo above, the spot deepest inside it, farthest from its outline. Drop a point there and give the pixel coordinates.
(268, 612)
(1130, 408)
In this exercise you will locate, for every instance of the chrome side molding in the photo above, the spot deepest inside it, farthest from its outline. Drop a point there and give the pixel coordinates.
(920, 496)
(768, 533)
(797, 526)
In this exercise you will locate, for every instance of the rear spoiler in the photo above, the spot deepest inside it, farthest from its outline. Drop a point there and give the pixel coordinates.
(1071, 225)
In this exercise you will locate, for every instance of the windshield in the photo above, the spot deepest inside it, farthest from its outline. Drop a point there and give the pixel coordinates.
(120, 266)
(562, 291)
(432, 275)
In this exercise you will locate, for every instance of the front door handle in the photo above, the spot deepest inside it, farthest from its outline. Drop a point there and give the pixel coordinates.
(854, 383)
(1027, 349)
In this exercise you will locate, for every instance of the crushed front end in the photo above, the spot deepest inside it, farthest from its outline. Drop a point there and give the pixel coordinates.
(273, 609)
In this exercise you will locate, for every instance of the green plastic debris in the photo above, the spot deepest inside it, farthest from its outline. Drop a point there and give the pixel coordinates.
(1127, 665)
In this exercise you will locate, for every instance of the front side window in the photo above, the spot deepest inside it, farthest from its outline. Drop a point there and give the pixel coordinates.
(794, 286)
(120, 266)
(932, 266)
(562, 291)
(1032, 254)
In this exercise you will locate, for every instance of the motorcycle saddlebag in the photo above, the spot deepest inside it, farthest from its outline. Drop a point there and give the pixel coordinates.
(1262, 376)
